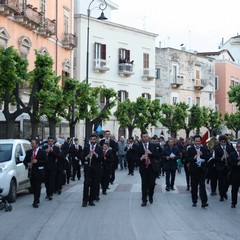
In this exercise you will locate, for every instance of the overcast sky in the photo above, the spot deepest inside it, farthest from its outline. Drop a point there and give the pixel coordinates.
(199, 24)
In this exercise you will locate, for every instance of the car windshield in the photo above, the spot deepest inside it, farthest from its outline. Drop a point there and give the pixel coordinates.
(5, 152)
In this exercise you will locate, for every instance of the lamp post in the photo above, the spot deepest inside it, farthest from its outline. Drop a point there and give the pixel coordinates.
(102, 7)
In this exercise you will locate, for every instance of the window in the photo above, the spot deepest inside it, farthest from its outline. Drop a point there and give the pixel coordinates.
(4, 37)
(189, 101)
(197, 74)
(24, 45)
(146, 95)
(232, 83)
(66, 68)
(66, 21)
(100, 51)
(174, 74)
(122, 95)
(198, 100)
(158, 73)
(124, 55)
(145, 60)
(216, 83)
(174, 100)
(210, 96)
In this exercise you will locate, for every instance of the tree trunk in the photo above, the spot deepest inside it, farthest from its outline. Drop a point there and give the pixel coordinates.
(52, 127)
(10, 127)
(130, 132)
(236, 134)
(72, 130)
(187, 134)
(34, 125)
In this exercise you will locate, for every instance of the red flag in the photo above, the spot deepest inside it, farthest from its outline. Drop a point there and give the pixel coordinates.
(204, 138)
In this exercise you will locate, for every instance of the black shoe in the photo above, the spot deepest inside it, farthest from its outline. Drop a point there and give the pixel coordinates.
(188, 188)
(194, 204)
(132, 174)
(151, 200)
(84, 204)
(129, 173)
(225, 196)
(213, 194)
(73, 179)
(167, 189)
(233, 205)
(204, 205)
(49, 198)
(144, 204)
(59, 192)
(221, 199)
(104, 192)
(172, 188)
(91, 203)
(35, 205)
(78, 178)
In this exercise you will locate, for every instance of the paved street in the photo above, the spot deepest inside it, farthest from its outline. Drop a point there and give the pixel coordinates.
(119, 215)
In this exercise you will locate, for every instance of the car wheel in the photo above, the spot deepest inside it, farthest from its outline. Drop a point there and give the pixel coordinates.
(12, 195)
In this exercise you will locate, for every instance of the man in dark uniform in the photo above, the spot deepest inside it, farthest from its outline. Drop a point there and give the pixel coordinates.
(197, 157)
(170, 156)
(92, 162)
(76, 154)
(53, 153)
(146, 155)
(131, 156)
(35, 161)
(222, 152)
(108, 160)
(234, 163)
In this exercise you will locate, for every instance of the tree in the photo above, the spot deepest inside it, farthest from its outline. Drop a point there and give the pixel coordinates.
(212, 119)
(140, 114)
(234, 95)
(195, 118)
(13, 73)
(173, 117)
(232, 121)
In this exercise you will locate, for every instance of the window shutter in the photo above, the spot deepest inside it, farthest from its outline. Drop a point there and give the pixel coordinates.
(103, 51)
(126, 94)
(119, 96)
(128, 55)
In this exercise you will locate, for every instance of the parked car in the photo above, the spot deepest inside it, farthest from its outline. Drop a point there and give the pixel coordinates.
(13, 173)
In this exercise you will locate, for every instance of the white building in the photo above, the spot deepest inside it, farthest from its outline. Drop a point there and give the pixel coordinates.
(120, 57)
(184, 77)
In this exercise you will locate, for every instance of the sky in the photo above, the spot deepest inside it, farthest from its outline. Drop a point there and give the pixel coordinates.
(198, 24)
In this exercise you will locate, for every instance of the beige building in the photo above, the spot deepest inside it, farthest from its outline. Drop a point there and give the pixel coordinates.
(183, 76)
(45, 26)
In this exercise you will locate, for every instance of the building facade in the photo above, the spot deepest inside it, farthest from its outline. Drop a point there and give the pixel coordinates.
(182, 76)
(120, 57)
(45, 26)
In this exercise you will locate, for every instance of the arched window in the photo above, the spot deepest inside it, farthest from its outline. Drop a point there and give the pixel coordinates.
(4, 37)
(24, 45)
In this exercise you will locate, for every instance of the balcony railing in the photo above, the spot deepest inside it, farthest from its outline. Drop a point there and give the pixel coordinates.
(177, 81)
(148, 74)
(69, 41)
(9, 7)
(125, 69)
(199, 84)
(100, 65)
(48, 29)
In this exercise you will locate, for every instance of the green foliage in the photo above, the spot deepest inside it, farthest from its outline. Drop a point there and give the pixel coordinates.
(195, 117)
(232, 121)
(234, 95)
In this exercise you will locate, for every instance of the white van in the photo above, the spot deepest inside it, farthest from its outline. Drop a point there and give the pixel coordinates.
(13, 173)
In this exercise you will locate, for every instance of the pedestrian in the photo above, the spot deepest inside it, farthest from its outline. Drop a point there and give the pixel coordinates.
(146, 155)
(114, 146)
(122, 151)
(35, 161)
(76, 154)
(131, 156)
(222, 152)
(92, 162)
(170, 155)
(53, 153)
(108, 160)
(197, 156)
(234, 163)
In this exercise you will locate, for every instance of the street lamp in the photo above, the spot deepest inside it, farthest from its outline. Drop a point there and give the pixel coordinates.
(102, 7)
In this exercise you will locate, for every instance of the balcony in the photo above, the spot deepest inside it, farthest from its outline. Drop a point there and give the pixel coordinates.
(125, 69)
(199, 85)
(69, 41)
(177, 81)
(48, 29)
(148, 74)
(29, 17)
(9, 7)
(100, 65)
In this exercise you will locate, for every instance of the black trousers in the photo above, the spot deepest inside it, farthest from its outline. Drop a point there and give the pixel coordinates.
(223, 182)
(198, 180)
(148, 177)
(76, 169)
(213, 177)
(170, 177)
(235, 187)
(131, 164)
(50, 178)
(187, 174)
(91, 184)
(105, 178)
(36, 183)
(113, 169)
